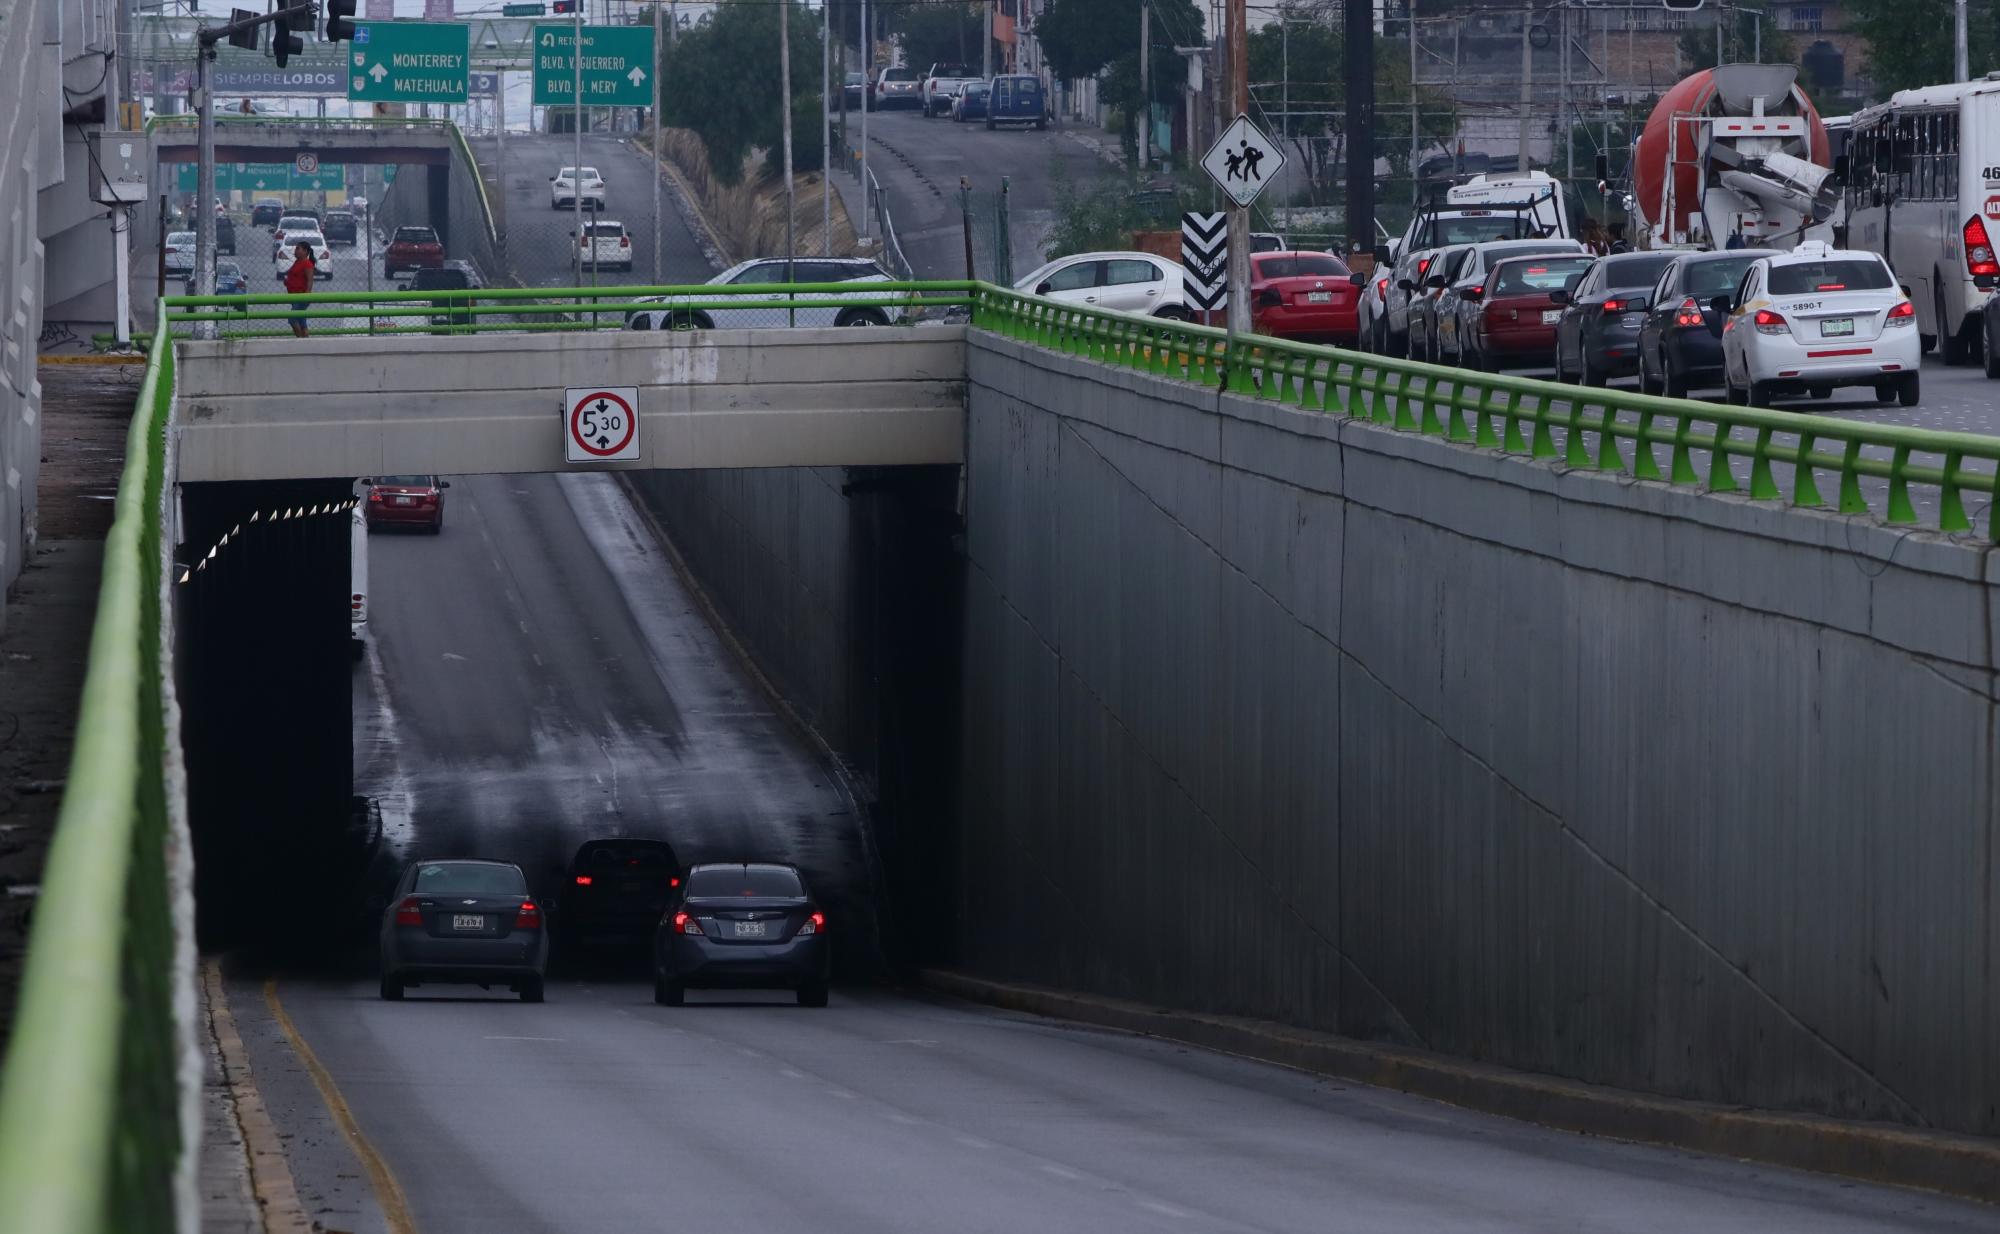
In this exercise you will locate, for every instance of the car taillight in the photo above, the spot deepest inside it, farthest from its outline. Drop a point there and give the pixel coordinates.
(374, 495)
(1423, 264)
(624, 242)
(1382, 288)
(410, 912)
(583, 880)
(529, 918)
(1495, 312)
(1688, 314)
(673, 882)
(814, 924)
(1768, 322)
(1269, 299)
(684, 924)
(357, 601)
(1978, 250)
(1614, 305)
(1903, 314)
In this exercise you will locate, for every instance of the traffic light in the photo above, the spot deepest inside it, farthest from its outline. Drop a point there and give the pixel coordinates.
(246, 38)
(283, 43)
(1683, 6)
(565, 6)
(339, 20)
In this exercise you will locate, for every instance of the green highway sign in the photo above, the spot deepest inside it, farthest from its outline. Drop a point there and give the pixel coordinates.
(264, 178)
(523, 10)
(618, 66)
(408, 62)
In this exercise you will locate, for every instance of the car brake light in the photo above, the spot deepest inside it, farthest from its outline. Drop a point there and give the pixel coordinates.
(410, 912)
(374, 495)
(624, 242)
(1903, 314)
(673, 882)
(814, 924)
(684, 924)
(583, 880)
(1614, 305)
(1979, 260)
(1768, 322)
(357, 601)
(1423, 264)
(1689, 313)
(1382, 288)
(529, 918)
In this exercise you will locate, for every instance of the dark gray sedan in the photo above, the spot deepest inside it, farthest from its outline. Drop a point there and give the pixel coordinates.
(742, 926)
(464, 922)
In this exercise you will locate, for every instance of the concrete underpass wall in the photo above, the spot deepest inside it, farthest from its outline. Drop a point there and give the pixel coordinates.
(1282, 715)
(27, 131)
(447, 198)
(843, 584)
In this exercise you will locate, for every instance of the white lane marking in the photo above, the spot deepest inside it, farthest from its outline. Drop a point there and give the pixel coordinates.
(790, 1074)
(842, 1093)
(748, 1053)
(1165, 1210)
(905, 1119)
(973, 1141)
(1061, 1172)
(490, 1038)
(452, 655)
(925, 1041)
(537, 659)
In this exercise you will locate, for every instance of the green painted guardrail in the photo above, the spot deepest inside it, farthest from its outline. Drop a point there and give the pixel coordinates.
(1521, 415)
(90, 1092)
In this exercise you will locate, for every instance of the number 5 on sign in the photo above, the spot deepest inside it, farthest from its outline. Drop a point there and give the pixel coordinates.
(601, 424)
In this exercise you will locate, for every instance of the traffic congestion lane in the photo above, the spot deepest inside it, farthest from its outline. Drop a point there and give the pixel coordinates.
(888, 1113)
(920, 161)
(539, 243)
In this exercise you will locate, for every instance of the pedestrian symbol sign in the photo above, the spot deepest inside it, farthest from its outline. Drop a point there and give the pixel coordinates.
(601, 424)
(1243, 160)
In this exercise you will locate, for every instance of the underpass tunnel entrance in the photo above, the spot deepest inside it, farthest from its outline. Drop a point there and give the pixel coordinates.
(261, 631)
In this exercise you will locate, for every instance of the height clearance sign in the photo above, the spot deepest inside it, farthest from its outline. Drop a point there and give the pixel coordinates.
(618, 66)
(408, 62)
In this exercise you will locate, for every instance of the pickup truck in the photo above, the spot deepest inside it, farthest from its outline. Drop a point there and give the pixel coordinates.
(941, 86)
(412, 248)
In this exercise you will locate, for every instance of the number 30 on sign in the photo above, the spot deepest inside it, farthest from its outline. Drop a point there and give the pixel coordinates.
(601, 424)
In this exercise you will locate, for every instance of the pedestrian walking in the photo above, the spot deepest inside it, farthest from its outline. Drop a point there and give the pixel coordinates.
(298, 281)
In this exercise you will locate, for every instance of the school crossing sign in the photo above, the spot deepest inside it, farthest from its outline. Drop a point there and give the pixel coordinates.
(408, 62)
(618, 66)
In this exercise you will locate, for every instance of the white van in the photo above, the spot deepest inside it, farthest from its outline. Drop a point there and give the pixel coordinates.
(357, 583)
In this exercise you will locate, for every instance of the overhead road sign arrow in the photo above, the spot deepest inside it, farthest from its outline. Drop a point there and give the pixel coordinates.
(410, 62)
(1243, 161)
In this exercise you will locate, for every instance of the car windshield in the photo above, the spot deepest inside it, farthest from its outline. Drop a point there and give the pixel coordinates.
(187, 237)
(228, 270)
(297, 222)
(1797, 278)
(952, 70)
(1308, 265)
(338, 217)
(1641, 270)
(1475, 229)
(899, 74)
(977, 87)
(415, 235)
(1526, 277)
(613, 230)
(1716, 277)
(469, 878)
(406, 481)
(305, 237)
(718, 882)
(441, 280)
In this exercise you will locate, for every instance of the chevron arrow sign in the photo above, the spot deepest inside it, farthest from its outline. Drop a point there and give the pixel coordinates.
(1205, 259)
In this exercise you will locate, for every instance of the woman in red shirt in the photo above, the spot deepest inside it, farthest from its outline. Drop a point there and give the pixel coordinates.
(299, 280)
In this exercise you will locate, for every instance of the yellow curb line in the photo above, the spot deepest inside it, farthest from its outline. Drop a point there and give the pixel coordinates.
(388, 1192)
(106, 359)
(271, 1180)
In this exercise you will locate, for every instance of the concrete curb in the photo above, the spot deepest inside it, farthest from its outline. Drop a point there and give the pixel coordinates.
(270, 1174)
(1958, 1165)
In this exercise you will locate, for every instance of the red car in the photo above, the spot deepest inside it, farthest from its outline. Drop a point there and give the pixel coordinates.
(406, 501)
(1311, 297)
(1514, 325)
(412, 248)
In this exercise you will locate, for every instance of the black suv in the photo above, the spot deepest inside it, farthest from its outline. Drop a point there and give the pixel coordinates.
(339, 227)
(225, 235)
(266, 213)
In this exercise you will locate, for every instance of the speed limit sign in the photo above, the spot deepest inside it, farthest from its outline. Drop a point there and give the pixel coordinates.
(601, 424)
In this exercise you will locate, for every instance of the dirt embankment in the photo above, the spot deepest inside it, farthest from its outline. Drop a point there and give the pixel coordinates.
(748, 217)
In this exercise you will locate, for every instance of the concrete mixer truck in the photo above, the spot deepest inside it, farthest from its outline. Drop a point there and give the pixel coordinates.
(1734, 150)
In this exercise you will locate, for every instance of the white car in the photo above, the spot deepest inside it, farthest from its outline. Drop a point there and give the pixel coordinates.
(605, 245)
(564, 190)
(771, 270)
(288, 242)
(1130, 282)
(180, 251)
(1807, 321)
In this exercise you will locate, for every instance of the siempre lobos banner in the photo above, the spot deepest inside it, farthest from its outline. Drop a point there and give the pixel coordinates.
(256, 83)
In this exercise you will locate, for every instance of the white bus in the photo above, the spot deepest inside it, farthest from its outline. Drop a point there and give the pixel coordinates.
(1924, 192)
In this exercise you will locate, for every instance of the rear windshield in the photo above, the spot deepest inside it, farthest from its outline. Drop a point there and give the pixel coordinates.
(952, 70)
(626, 855)
(416, 235)
(1476, 229)
(1524, 277)
(739, 881)
(441, 280)
(1298, 264)
(1713, 278)
(899, 74)
(405, 481)
(338, 217)
(1643, 271)
(614, 230)
(1838, 274)
(469, 878)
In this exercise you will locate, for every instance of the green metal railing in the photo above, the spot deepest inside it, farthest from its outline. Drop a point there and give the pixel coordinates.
(1615, 431)
(90, 1093)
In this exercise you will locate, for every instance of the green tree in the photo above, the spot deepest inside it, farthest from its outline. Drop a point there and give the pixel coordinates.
(1910, 43)
(940, 31)
(721, 81)
(1740, 42)
(1083, 37)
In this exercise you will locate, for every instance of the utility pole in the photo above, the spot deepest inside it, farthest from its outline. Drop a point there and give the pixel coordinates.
(1961, 59)
(204, 183)
(986, 39)
(1239, 216)
(826, 132)
(867, 105)
(1416, 128)
(659, 42)
(791, 201)
(121, 218)
(576, 184)
(1145, 85)
(1527, 83)
(1359, 50)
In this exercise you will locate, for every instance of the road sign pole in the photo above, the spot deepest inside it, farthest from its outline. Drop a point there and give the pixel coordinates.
(785, 101)
(1239, 215)
(826, 132)
(576, 184)
(658, 9)
(204, 188)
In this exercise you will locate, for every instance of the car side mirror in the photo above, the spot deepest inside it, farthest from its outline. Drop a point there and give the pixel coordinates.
(1405, 285)
(1042, 288)
(1559, 297)
(444, 484)
(1382, 255)
(1723, 305)
(1435, 280)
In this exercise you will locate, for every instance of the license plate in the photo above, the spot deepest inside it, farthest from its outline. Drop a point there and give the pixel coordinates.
(750, 929)
(1319, 297)
(468, 921)
(1834, 327)
(1551, 316)
(402, 501)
